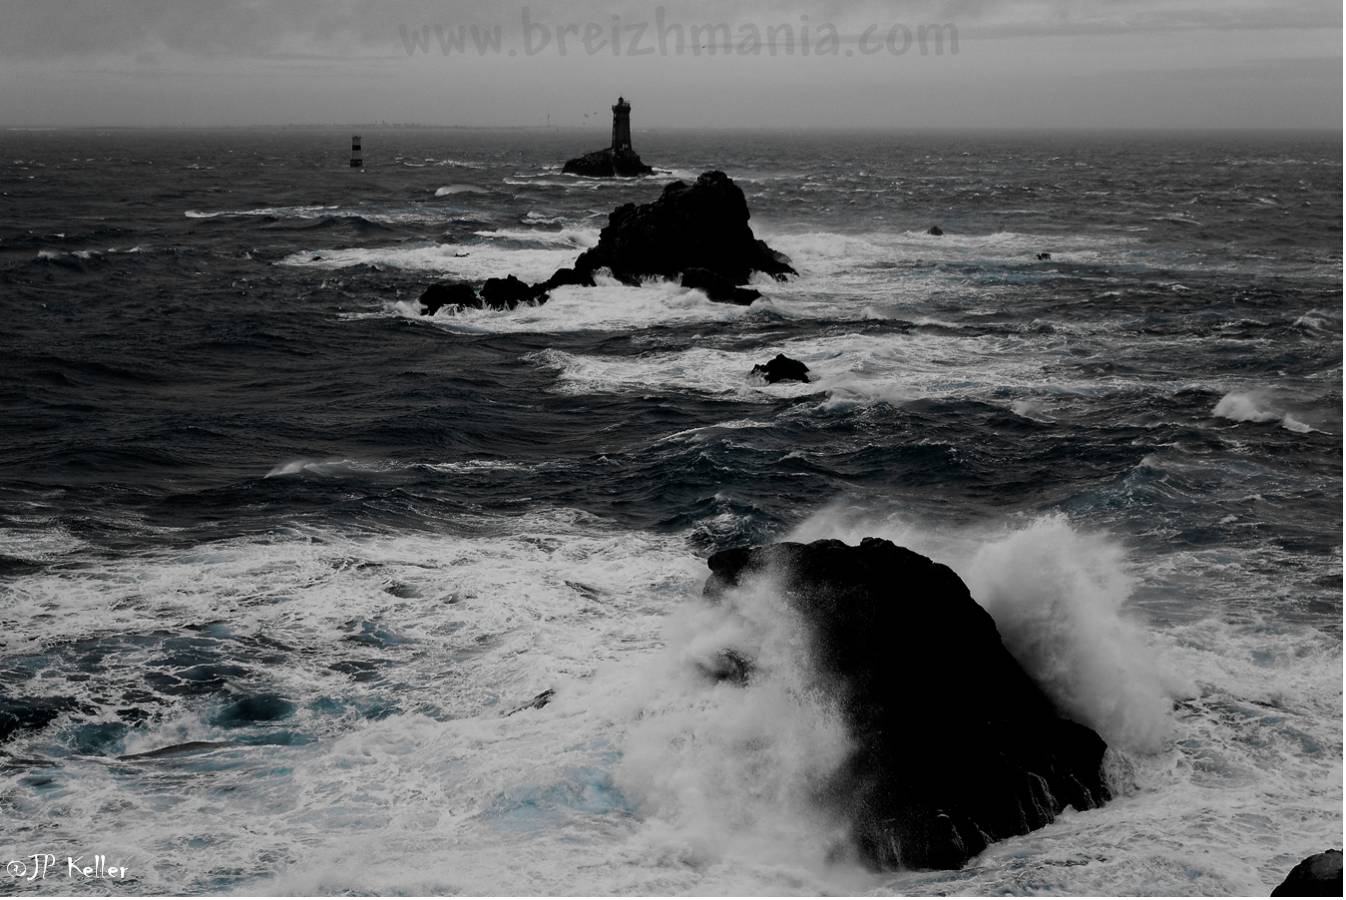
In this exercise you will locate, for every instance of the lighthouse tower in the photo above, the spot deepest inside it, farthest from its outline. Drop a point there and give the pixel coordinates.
(621, 126)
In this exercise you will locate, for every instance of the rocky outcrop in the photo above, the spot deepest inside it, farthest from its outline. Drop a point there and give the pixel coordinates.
(447, 293)
(560, 278)
(1317, 876)
(782, 368)
(506, 293)
(953, 745)
(696, 232)
(496, 293)
(606, 163)
(718, 288)
(703, 225)
(935, 230)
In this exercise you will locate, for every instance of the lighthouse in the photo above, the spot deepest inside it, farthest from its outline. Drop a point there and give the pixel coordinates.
(617, 160)
(621, 126)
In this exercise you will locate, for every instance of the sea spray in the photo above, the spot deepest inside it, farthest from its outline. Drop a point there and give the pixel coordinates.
(734, 771)
(1258, 406)
(1059, 598)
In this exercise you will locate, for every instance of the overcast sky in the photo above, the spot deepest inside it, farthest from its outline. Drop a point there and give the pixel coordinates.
(1018, 63)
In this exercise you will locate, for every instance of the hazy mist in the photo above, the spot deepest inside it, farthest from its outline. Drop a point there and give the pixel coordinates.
(961, 63)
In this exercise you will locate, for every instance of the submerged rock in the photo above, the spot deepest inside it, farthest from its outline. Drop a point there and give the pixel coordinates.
(703, 225)
(537, 702)
(607, 163)
(782, 368)
(953, 745)
(447, 293)
(250, 710)
(1317, 876)
(31, 713)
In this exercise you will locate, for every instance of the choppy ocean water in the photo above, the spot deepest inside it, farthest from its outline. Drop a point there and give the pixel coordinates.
(258, 514)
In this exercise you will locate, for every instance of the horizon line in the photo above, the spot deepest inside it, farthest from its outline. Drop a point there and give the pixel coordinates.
(423, 126)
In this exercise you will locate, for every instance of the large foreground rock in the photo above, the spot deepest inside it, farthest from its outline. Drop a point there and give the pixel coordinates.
(1317, 876)
(606, 163)
(954, 745)
(703, 225)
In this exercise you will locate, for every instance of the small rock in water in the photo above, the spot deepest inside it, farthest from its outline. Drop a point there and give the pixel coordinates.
(1044, 255)
(782, 368)
(505, 293)
(1317, 876)
(537, 702)
(447, 293)
(935, 230)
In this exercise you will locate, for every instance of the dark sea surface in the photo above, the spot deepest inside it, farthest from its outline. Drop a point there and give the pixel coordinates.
(259, 515)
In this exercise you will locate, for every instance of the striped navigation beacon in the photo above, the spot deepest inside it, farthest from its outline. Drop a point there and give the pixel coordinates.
(357, 155)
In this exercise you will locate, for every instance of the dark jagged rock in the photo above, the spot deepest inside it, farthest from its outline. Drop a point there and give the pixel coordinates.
(447, 293)
(954, 745)
(718, 288)
(697, 232)
(935, 230)
(537, 702)
(606, 163)
(703, 225)
(560, 278)
(506, 293)
(1044, 255)
(782, 368)
(1317, 876)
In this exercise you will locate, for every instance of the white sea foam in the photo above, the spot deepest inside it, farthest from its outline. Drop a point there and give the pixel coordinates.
(473, 262)
(1327, 320)
(1258, 406)
(386, 215)
(611, 306)
(641, 776)
(850, 369)
(1060, 598)
(450, 190)
(580, 238)
(844, 254)
(726, 773)
(312, 211)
